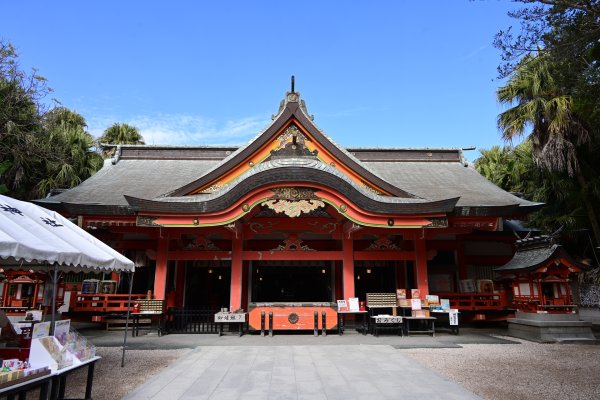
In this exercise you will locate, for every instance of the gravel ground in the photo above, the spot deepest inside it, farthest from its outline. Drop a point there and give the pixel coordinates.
(518, 371)
(525, 370)
(111, 382)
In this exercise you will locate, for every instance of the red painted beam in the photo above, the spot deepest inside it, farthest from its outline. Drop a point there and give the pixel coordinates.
(292, 255)
(383, 255)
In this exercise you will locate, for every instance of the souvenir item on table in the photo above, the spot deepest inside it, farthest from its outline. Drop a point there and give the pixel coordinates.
(415, 294)
(353, 304)
(342, 305)
(433, 299)
(400, 294)
(415, 304)
(445, 303)
(60, 355)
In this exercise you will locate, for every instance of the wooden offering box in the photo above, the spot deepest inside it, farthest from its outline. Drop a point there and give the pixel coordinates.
(293, 316)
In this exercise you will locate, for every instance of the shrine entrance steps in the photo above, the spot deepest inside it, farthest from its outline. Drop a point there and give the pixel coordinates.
(551, 328)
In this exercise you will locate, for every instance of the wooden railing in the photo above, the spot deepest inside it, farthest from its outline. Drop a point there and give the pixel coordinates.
(104, 303)
(558, 305)
(475, 301)
(180, 320)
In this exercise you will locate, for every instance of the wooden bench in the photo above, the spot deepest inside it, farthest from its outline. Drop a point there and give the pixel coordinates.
(377, 301)
(148, 308)
(118, 322)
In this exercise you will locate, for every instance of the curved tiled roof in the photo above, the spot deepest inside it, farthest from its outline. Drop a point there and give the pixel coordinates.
(418, 179)
(536, 252)
(285, 170)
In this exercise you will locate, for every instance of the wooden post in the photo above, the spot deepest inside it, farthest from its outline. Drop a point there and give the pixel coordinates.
(348, 265)
(421, 266)
(235, 295)
(160, 275)
(460, 260)
(179, 283)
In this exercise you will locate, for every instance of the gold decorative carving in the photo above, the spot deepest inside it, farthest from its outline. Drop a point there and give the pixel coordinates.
(382, 244)
(343, 207)
(293, 208)
(293, 243)
(293, 201)
(288, 136)
(146, 221)
(441, 222)
(245, 207)
(370, 188)
(201, 243)
(294, 193)
(213, 188)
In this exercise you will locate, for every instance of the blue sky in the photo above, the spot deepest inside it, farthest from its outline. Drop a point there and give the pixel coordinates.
(374, 74)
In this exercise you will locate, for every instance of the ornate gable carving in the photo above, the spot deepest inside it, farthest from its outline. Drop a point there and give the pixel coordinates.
(293, 243)
(382, 244)
(293, 201)
(201, 243)
(292, 143)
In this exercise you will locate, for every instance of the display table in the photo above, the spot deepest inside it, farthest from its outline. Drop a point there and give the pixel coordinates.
(22, 387)
(387, 323)
(53, 382)
(342, 320)
(222, 318)
(59, 379)
(139, 319)
(426, 325)
(452, 319)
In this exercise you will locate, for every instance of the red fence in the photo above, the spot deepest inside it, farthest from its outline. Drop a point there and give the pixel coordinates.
(475, 301)
(103, 303)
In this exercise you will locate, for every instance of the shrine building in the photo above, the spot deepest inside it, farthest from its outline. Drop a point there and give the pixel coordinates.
(291, 219)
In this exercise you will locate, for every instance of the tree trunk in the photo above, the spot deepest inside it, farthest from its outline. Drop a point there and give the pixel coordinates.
(588, 205)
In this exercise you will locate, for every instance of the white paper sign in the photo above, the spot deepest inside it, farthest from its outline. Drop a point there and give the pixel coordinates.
(415, 304)
(61, 330)
(342, 305)
(41, 330)
(230, 317)
(353, 303)
(387, 319)
(453, 317)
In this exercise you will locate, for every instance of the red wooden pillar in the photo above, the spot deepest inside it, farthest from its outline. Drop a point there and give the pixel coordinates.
(348, 265)
(160, 275)
(235, 294)
(421, 266)
(460, 260)
(5, 293)
(179, 283)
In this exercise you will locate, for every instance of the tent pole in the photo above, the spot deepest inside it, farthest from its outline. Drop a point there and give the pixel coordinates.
(55, 278)
(127, 319)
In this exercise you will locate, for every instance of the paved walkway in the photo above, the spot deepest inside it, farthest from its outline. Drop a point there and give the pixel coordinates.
(343, 372)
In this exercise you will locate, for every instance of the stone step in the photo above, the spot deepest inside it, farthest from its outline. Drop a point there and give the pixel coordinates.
(577, 340)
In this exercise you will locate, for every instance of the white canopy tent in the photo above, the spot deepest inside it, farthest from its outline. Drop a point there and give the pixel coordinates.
(30, 233)
(32, 237)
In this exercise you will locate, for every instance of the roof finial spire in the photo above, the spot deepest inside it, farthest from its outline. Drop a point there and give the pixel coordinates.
(293, 83)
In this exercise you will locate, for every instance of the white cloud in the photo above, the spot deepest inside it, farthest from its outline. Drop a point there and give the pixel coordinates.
(179, 129)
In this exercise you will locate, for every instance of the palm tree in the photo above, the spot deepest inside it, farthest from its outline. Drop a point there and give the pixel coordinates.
(73, 158)
(558, 132)
(119, 133)
(62, 115)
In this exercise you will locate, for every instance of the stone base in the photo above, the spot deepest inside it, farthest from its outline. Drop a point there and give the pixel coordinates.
(550, 328)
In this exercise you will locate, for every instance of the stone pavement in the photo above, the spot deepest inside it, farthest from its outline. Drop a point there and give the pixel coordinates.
(344, 372)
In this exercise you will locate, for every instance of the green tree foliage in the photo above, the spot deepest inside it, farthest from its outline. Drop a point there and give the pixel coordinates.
(553, 74)
(40, 149)
(119, 133)
(515, 170)
(564, 30)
